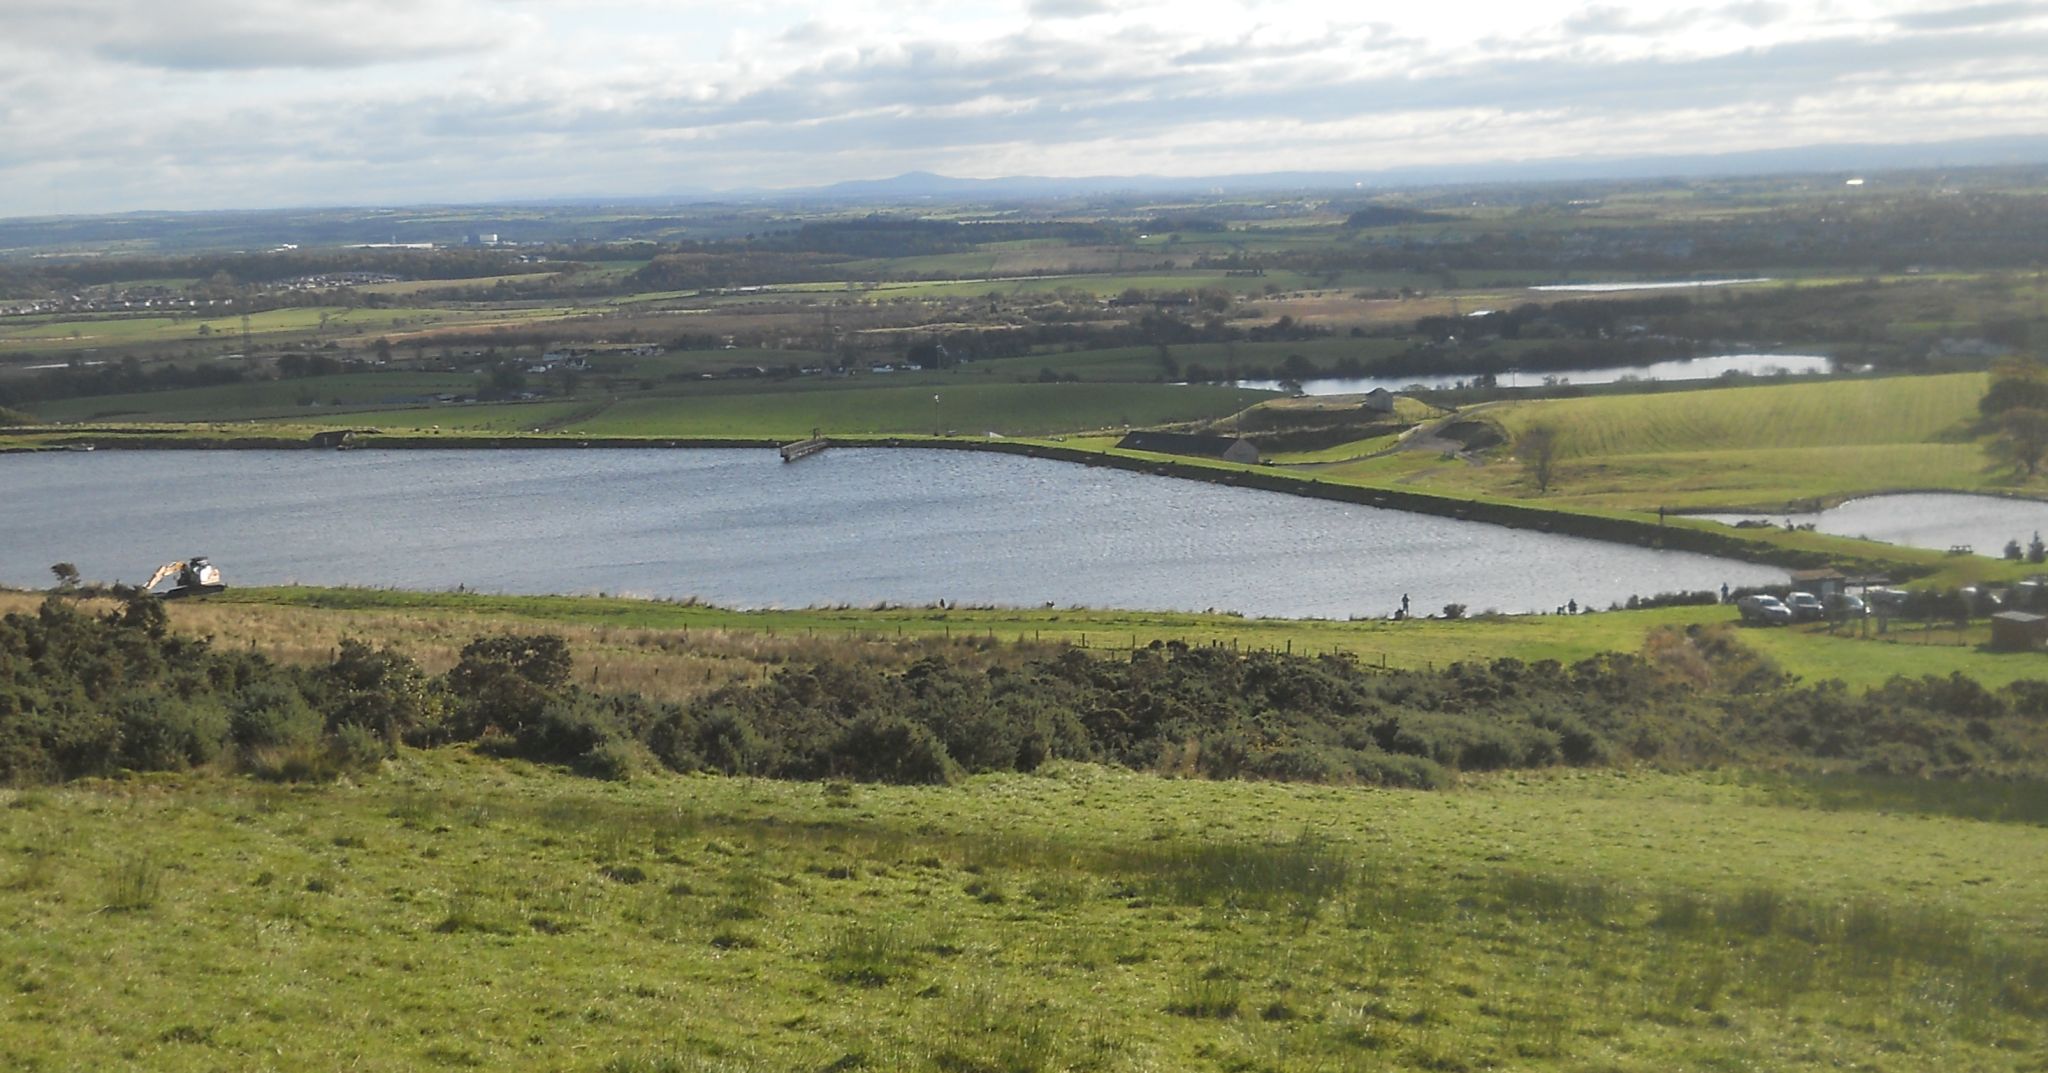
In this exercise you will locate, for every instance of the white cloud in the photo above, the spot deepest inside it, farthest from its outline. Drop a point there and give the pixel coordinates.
(109, 104)
(252, 35)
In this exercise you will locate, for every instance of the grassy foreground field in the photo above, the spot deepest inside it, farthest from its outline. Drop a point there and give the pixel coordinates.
(457, 912)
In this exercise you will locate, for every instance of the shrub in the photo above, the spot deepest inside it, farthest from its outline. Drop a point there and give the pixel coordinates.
(888, 748)
(357, 747)
(613, 759)
(160, 732)
(272, 713)
(727, 742)
(1391, 769)
(376, 688)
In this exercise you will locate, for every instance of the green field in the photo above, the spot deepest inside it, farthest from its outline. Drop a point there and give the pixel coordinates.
(453, 911)
(295, 399)
(970, 409)
(1756, 447)
(225, 329)
(1008, 409)
(296, 623)
(1838, 413)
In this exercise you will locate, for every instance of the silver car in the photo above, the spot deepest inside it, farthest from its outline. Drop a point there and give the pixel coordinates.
(1764, 610)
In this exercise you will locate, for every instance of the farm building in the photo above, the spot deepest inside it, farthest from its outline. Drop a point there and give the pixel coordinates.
(1821, 583)
(1227, 448)
(2019, 631)
(1379, 400)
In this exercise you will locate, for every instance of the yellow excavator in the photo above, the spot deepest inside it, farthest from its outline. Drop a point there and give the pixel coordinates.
(196, 577)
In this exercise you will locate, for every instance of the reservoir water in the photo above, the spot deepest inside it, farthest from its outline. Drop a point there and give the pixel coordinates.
(1703, 368)
(1924, 520)
(740, 528)
(1646, 285)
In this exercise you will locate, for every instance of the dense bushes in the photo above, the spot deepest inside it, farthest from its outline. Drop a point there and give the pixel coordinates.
(81, 695)
(84, 695)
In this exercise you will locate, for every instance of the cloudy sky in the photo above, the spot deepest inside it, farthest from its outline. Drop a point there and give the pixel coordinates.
(180, 104)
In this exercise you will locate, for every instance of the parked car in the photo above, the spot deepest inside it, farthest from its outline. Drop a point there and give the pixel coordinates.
(1888, 600)
(1983, 601)
(1764, 611)
(1806, 607)
(1842, 605)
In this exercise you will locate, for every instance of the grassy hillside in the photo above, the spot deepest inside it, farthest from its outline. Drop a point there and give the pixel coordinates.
(459, 912)
(1760, 446)
(1894, 410)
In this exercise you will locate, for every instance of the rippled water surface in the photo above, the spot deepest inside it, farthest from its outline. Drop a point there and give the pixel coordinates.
(1703, 368)
(741, 528)
(1925, 520)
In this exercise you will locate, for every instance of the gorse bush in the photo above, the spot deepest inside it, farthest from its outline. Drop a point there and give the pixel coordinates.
(83, 694)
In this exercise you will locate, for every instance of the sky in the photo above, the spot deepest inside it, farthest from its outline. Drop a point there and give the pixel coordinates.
(115, 105)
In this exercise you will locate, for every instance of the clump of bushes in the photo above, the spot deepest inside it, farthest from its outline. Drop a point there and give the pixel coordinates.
(83, 695)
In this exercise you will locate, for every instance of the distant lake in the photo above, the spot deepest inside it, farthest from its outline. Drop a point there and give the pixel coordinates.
(1704, 368)
(1648, 285)
(1924, 520)
(740, 528)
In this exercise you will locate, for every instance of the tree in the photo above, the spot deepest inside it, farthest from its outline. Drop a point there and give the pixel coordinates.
(2023, 437)
(2016, 383)
(67, 576)
(1537, 448)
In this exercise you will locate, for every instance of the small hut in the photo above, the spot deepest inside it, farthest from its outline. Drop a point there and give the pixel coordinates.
(2019, 631)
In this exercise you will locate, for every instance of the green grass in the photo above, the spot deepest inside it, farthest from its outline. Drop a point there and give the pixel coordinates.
(1838, 413)
(969, 410)
(1759, 447)
(296, 399)
(966, 408)
(459, 912)
(225, 329)
(250, 615)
